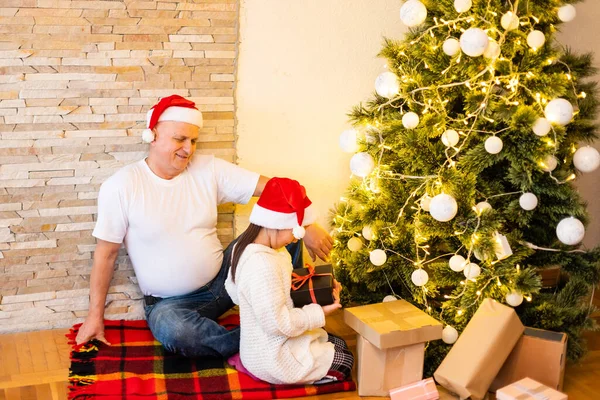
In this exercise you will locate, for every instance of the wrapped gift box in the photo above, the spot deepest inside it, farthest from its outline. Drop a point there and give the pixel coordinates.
(540, 355)
(528, 389)
(480, 351)
(390, 345)
(312, 285)
(421, 390)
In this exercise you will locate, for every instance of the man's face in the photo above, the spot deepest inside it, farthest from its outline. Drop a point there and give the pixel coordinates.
(174, 145)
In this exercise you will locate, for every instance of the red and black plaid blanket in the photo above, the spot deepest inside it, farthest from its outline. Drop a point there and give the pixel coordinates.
(136, 366)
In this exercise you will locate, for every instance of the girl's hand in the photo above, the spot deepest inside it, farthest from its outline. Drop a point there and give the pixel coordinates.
(331, 308)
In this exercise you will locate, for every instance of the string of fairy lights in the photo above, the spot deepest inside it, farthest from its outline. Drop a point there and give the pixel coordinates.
(485, 40)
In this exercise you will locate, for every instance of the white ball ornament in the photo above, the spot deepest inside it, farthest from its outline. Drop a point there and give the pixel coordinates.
(559, 111)
(426, 203)
(450, 138)
(462, 6)
(510, 21)
(367, 232)
(419, 277)
(348, 142)
(449, 335)
(410, 120)
(362, 164)
(457, 263)
(570, 231)
(482, 206)
(492, 50)
(443, 207)
(550, 163)
(413, 13)
(541, 127)
(567, 13)
(493, 145)
(386, 85)
(389, 298)
(474, 41)
(536, 39)
(472, 271)
(355, 244)
(586, 159)
(528, 201)
(514, 299)
(451, 47)
(378, 257)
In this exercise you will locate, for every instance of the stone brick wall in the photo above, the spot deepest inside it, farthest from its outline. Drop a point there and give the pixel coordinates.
(76, 80)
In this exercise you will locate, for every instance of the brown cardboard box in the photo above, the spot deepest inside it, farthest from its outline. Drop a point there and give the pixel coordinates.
(382, 370)
(393, 324)
(480, 351)
(390, 344)
(539, 355)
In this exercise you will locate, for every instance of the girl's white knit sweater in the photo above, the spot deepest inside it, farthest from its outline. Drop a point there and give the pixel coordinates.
(279, 343)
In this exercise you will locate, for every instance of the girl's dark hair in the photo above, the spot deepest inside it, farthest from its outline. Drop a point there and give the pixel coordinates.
(244, 240)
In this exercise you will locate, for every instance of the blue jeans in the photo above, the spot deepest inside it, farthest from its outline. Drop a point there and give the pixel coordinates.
(187, 324)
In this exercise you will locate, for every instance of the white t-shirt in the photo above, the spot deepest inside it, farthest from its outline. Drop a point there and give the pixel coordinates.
(169, 227)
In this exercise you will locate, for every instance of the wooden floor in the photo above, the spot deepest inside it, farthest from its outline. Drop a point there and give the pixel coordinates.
(35, 365)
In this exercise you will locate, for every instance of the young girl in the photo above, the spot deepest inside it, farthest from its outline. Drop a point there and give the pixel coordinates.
(279, 343)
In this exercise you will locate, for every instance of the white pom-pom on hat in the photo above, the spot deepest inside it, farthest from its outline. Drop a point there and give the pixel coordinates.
(147, 136)
(299, 232)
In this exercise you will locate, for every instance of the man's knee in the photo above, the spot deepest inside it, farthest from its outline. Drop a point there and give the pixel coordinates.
(167, 326)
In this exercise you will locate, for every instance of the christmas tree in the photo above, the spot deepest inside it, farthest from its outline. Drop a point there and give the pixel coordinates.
(462, 178)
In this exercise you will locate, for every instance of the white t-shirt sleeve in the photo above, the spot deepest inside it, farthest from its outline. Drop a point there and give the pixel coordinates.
(234, 184)
(111, 225)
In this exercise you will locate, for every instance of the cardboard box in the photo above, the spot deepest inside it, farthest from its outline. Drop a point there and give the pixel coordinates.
(528, 389)
(540, 355)
(380, 370)
(421, 390)
(480, 351)
(390, 345)
(312, 286)
(393, 324)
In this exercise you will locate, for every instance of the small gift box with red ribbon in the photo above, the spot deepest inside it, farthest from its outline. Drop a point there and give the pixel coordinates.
(312, 285)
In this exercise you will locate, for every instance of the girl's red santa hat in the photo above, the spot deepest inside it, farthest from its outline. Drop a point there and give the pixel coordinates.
(172, 108)
(283, 204)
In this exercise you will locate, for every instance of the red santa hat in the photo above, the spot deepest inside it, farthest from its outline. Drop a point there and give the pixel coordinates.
(172, 108)
(283, 205)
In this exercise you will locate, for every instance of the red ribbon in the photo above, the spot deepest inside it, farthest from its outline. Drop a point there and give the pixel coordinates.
(299, 280)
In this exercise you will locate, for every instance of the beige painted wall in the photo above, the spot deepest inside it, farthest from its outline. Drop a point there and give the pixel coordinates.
(302, 66)
(582, 35)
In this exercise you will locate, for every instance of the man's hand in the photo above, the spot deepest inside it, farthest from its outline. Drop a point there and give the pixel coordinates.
(318, 242)
(92, 328)
(329, 309)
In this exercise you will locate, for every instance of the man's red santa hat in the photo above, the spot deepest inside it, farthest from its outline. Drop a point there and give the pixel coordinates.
(172, 108)
(283, 204)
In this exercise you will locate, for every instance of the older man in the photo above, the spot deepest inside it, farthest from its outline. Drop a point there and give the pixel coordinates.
(164, 209)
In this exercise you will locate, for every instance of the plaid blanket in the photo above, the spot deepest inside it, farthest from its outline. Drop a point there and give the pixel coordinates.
(136, 366)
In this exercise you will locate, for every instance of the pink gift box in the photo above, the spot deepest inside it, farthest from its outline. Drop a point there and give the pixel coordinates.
(421, 390)
(528, 389)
